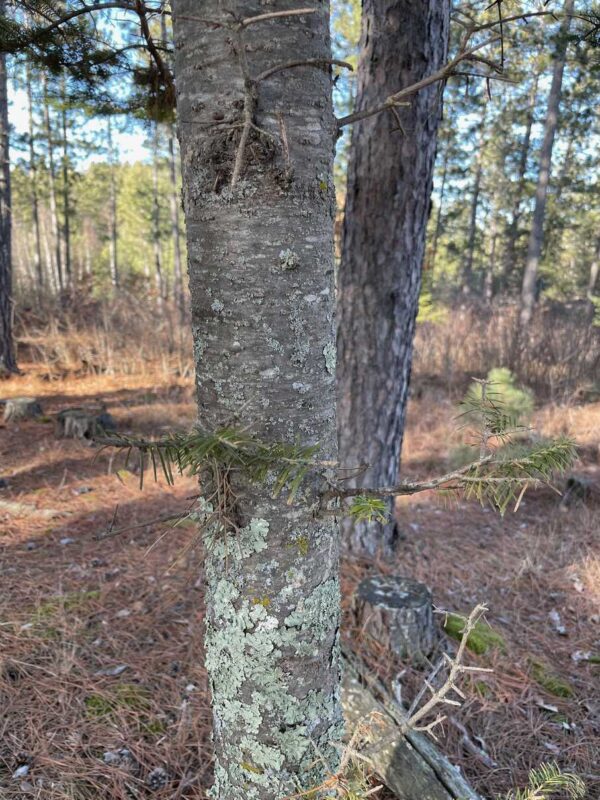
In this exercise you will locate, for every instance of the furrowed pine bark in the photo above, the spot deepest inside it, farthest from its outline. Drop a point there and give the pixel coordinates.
(536, 234)
(8, 362)
(260, 256)
(387, 206)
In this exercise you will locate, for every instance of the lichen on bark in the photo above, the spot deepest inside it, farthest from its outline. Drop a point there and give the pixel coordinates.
(260, 257)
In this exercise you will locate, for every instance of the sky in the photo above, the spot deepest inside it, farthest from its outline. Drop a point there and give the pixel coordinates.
(129, 143)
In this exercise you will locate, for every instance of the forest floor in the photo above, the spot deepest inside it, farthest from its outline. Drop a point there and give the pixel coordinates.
(102, 688)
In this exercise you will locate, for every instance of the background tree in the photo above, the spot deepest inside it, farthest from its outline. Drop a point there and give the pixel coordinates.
(8, 363)
(387, 207)
(534, 250)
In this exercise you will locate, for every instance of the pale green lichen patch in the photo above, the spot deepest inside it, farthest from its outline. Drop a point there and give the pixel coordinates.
(330, 358)
(288, 259)
(265, 717)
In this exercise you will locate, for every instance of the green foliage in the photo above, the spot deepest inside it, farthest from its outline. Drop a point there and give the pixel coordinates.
(481, 639)
(501, 405)
(368, 509)
(503, 480)
(429, 310)
(547, 781)
(283, 464)
(549, 681)
(124, 696)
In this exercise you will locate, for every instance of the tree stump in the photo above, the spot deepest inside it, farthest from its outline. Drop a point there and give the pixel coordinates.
(398, 612)
(83, 423)
(18, 408)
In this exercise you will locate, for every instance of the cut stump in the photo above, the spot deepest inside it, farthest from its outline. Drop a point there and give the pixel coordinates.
(398, 613)
(83, 423)
(18, 408)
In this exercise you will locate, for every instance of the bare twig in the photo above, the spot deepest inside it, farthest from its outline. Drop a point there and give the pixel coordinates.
(295, 12)
(309, 62)
(409, 487)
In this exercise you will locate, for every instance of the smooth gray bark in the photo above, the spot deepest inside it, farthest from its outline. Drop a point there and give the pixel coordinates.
(114, 259)
(7, 355)
(387, 206)
(536, 235)
(260, 257)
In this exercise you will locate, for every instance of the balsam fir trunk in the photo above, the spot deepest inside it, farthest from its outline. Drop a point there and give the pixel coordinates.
(536, 235)
(260, 259)
(387, 207)
(7, 356)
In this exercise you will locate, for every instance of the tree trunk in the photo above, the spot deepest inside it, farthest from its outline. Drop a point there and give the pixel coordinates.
(467, 276)
(66, 189)
(175, 229)
(594, 270)
(8, 362)
(114, 264)
(37, 250)
(438, 220)
(259, 226)
(512, 231)
(536, 235)
(53, 201)
(158, 271)
(387, 206)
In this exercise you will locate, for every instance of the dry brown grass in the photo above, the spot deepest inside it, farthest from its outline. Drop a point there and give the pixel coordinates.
(559, 355)
(125, 336)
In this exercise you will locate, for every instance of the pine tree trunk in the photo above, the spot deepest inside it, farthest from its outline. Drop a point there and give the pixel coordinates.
(8, 363)
(158, 271)
(260, 256)
(536, 235)
(438, 220)
(512, 232)
(37, 249)
(53, 194)
(387, 207)
(175, 229)
(114, 263)
(66, 188)
(594, 270)
(467, 276)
